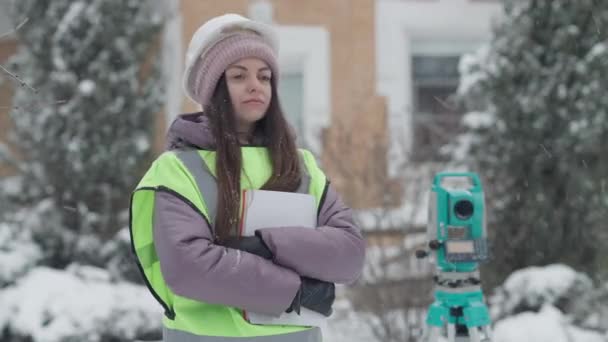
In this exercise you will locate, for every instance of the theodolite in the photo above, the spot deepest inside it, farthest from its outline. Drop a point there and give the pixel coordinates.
(456, 233)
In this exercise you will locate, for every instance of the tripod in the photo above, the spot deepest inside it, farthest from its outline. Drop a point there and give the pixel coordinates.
(459, 312)
(456, 235)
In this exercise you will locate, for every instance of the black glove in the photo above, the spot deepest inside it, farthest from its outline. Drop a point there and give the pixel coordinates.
(252, 244)
(316, 295)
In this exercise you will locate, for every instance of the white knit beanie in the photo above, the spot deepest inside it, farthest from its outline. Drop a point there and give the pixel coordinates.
(220, 42)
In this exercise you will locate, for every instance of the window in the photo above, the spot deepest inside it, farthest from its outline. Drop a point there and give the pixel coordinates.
(291, 90)
(436, 117)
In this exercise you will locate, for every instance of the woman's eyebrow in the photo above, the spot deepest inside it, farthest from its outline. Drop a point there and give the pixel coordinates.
(238, 67)
(245, 69)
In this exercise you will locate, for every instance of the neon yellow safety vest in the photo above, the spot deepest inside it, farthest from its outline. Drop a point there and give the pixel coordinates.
(190, 174)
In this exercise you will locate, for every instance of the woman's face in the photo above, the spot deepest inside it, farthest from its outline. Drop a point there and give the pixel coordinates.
(250, 91)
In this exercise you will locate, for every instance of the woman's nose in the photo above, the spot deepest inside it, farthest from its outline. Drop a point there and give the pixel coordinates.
(253, 85)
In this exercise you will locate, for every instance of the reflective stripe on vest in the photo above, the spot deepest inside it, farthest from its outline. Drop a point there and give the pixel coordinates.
(208, 185)
(204, 179)
(310, 335)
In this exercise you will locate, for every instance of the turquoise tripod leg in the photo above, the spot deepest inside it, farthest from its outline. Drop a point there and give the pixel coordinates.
(436, 316)
(475, 316)
(477, 319)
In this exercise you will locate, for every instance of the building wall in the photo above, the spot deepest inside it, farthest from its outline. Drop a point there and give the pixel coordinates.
(405, 28)
(353, 143)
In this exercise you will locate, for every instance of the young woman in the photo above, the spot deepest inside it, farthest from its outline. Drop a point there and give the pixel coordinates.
(185, 211)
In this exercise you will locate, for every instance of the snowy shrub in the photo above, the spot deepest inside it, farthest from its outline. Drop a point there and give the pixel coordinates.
(547, 325)
(18, 253)
(549, 304)
(78, 304)
(83, 122)
(538, 117)
(119, 259)
(531, 288)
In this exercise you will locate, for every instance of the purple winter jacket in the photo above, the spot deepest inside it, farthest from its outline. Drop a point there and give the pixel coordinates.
(195, 267)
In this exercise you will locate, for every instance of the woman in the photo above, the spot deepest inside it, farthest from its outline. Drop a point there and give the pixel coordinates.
(185, 211)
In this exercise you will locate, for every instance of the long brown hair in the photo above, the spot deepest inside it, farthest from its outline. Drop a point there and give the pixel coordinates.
(276, 135)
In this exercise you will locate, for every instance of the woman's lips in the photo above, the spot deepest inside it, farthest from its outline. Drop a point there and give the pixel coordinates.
(254, 102)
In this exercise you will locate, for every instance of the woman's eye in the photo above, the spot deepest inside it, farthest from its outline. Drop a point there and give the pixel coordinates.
(237, 76)
(265, 78)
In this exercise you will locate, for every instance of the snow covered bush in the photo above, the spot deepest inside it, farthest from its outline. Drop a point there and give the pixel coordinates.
(539, 116)
(120, 261)
(547, 325)
(18, 254)
(82, 124)
(551, 303)
(532, 288)
(84, 118)
(80, 303)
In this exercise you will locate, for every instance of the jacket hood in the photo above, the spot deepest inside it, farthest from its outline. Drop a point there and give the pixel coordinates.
(194, 130)
(190, 130)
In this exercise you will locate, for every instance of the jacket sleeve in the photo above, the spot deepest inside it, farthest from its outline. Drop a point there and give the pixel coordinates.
(333, 252)
(194, 267)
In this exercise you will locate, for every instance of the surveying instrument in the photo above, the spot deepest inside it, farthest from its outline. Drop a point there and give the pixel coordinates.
(456, 234)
